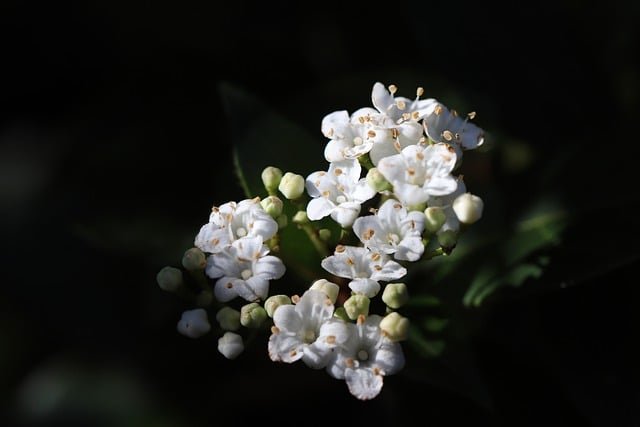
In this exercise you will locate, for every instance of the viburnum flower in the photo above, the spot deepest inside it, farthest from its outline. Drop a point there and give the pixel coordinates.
(444, 125)
(419, 172)
(233, 221)
(366, 358)
(194, 323)
(244, 269)
(306, 331)
(364, 267)
(338, 192)
(392, 230)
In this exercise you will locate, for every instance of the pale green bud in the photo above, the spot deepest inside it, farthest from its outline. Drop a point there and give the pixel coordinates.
(330, 289)
(418, 207)
(228, 318)
(194, 259)
(291, 186)
(274, 302)
(357, 305)
(448, 239)
(468, 208)
(300, 218)
(395, 295)
(434, 218)
(252, 315)
(169, 279)
(377, 181)
(272, 205)
(271, 177)
(230, 345)
(282, 221)
(341, 313)
(395, 327)
(324, 234)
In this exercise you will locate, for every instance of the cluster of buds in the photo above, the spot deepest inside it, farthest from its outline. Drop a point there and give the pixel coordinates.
(410, 150)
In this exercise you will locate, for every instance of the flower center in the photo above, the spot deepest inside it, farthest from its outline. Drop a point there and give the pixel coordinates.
(309, 337)
(363, 355)
(357, 141)
(246, 274)
(393, 238)
(341, 199)
(241, 232)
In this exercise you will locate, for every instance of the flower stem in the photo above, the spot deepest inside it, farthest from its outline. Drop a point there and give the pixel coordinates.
(314, 237)
(433, 254)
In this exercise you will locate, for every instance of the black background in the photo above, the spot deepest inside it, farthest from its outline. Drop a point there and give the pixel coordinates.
(111, 120)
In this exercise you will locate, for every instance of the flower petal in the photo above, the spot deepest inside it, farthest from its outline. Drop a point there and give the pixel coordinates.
(410, 248)
(226, 288)
(391, 270)
(364, 286)
(335, 150)
(284, 347)
(337, 265)
(389, 357)
(334, 124)
(362, 191)
(254, 288)
(315, 356)
(345, 213)
(319, 207)
(269, 267)
(363, 383)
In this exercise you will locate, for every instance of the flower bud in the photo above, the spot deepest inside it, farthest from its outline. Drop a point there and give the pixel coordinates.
(356, 305)
(434, 218)
(377, 181)
(252, 315)
(272, 205)
(468, 208)
(341, 313)
(324, 234)
(169, 279)
(395, 295)
(395, 327)
(194, 323)
(271, 179)
(194, 259)
(230, 345)
(274, 302)
(300, 218)
(330, 289)
(228, 318)
(448, 239)
(282, 221)
(291, 185)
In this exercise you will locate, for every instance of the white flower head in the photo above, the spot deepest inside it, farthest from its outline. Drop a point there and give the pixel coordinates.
(366, 358)
(444, 125)
(233, 221)
(194, 323)
(339, 192)
(419, 172)
(392, 230)
(244, 269)
(364, 267)
(306, 331)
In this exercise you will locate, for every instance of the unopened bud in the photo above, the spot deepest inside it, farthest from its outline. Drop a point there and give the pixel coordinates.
(228, 318)
(448, 239)
(395, 295)
(434, 218)
(271, 179)
(275, 301)
(341, 313)
(324, 234)
(330, 289)
(282, 221)
(194, 259)
(194, 323)
(291, 186)
(395, 327)
(300, 218)
(230, 345)
(377, 181)
(468, 208)
(272, 205)
(356, 305)
(252, 315)
(169, 279)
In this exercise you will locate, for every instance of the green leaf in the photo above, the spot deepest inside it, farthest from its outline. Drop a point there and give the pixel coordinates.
(435, 324)
(426, 348)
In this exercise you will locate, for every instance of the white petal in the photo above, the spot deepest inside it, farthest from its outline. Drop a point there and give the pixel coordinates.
(222, 264)
(226, 288)
(413, 223)
(363, 383)
(364, 286)
(389, 357)
(248, 248)
(269, 267)
(381, 151)
(287, 319)
(315, 357)
(392, 168)
(358, 150)
(345, 213)
(254, 288)
(230, 345)
(284, 347)
(335, 149)
(409, 194)
(333, 124)
(319, 207)
(262, 225)
(410, 248)
(337, 265)
(211, 238)
(381, 98)
(362, 191)
(391, 270)
(348, 169)
(364, 226)
(440, 186)
(194, 323)
(364, 113)
(314, 308)
(334, 332)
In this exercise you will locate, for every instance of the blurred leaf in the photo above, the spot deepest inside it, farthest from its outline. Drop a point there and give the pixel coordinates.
(424, 301)
(435, 324)
(425, 347)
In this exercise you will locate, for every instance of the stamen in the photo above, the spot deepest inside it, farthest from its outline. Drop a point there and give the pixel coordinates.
(393, 89)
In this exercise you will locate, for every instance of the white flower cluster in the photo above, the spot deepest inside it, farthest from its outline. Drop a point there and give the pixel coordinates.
(411, 149)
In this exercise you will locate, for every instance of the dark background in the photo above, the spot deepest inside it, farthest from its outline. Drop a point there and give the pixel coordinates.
(114, 143)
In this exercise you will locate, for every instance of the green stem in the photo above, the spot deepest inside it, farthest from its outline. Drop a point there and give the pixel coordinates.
(433, 254)
(240, 174)
(312, 234)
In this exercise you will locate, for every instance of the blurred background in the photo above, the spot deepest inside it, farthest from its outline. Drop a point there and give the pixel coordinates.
(117, 122)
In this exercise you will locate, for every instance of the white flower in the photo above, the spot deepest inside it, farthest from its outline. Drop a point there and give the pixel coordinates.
(244, 269)
(349, 140)
(194, 323)
(443, 125)
(233, 221)
(446, 203)
(392, 230)
(364, 267)
(306, 331)
(338, 192)
(400, 108)
(419, 172)
(230, 345)
(366, 358)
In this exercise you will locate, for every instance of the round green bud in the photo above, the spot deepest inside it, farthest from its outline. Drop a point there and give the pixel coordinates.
(468, 208)
(434, 218)
(395, 327)
(395, 295)
(271, 177)
(324, 234)
(274, 302)
(272, 205)
(291, 185)
(330, 289)
(228, 318)
(341, 313)
(377, 181)
(194, 259)
(252, 315)
(169, 279)
(356, 305)
(300, 218)
(448, 239)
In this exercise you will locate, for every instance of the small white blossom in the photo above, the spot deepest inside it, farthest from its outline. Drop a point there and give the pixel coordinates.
(444, 125)
(392, 230)
(306, 331)
(338, 192)
(364, 267)
(419, 172)
(233, 221)
(230, 345)
(194, 323)
(366, 358)
(244, 269)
